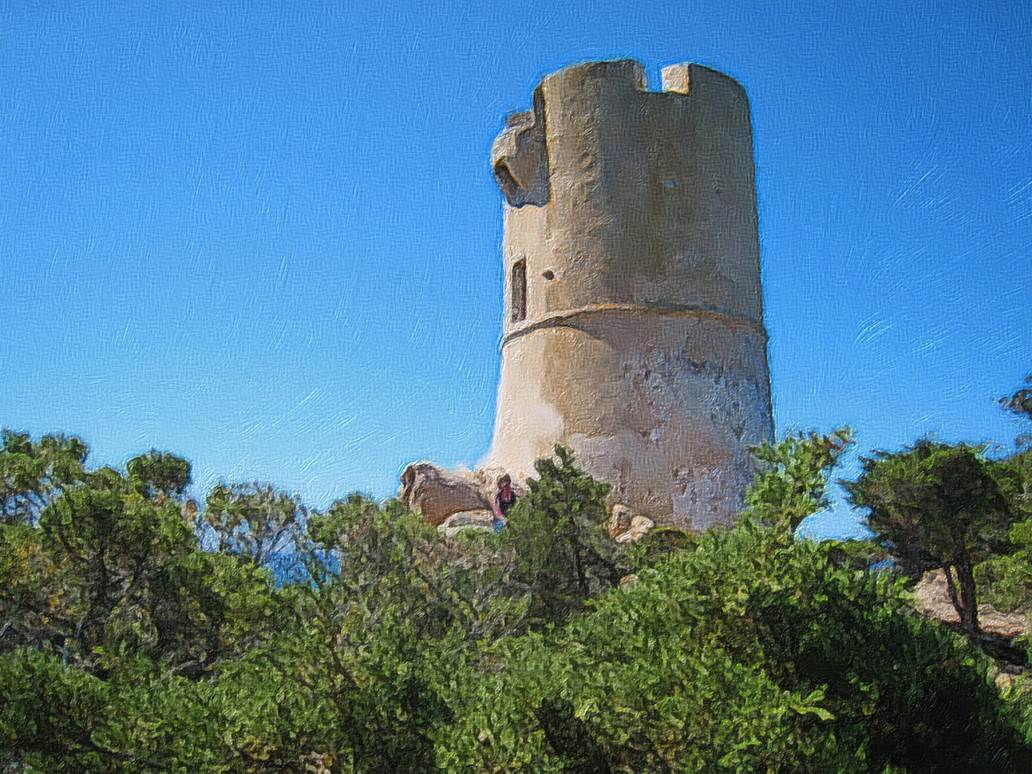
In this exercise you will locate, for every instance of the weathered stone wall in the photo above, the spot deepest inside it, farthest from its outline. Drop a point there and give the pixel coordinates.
(642, 346)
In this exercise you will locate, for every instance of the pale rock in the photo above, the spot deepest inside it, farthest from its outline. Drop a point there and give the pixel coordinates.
(932, 599)
(482, 521)
(640, 526)
(619, 520)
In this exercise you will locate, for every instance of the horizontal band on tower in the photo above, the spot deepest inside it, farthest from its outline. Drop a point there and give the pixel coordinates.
(562, 317)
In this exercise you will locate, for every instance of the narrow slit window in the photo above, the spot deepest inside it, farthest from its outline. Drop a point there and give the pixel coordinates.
(519, 290)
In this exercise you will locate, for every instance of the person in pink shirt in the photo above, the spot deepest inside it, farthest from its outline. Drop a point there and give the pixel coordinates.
(502, 502)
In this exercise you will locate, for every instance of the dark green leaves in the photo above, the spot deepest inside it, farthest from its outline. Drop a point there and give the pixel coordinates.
(557, 531)
(253, 520)
(160, 474)
(124, 647)
(939, 505)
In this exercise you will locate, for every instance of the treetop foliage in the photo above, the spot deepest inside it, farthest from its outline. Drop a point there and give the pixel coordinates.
(792, 482)
(937, 504)
(160, 474)
(32, 473)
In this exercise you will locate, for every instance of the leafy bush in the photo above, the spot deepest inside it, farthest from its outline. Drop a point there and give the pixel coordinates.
(792, 482)
(750, 653)
(32, 473)
(1007, 580)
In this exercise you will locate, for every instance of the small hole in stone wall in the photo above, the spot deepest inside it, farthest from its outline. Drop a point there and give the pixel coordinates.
(549, 275)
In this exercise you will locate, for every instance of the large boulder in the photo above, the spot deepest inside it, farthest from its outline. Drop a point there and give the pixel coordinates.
(619, 520)
(436, 493)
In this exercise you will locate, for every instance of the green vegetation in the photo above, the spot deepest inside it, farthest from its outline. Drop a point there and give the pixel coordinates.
(139, 633)
(1007, 579)
(939, 503)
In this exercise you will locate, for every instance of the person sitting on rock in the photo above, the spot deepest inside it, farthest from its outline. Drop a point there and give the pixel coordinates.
(502, 502)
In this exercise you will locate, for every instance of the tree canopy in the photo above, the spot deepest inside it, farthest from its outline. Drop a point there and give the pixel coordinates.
(941, 501)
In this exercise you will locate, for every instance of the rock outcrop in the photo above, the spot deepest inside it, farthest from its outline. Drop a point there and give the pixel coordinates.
(454, 500)
(626, 527)
(437, 493)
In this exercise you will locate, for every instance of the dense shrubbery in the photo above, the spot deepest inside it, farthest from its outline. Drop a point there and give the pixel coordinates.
(751, 653)
(125, 646)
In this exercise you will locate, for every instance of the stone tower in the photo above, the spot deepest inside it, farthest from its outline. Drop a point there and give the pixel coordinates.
(634, 314)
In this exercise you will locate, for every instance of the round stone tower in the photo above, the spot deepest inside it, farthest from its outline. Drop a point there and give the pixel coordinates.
(634, 313)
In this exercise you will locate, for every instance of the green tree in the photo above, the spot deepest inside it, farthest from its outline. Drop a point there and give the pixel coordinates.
(160, 474)
(109, 542)
(1013, 476)
(48, 713)
(750, 653)
(391, 615)
(793, 478)
(1006, 580)
(207, 609)
(58, 718)
(111, 575)
(557, 531)
(942, 500)
(253, 520)
(124, 648)
(32, 591)
(32, 473)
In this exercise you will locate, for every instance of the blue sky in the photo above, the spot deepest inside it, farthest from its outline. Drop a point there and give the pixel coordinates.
(265, 235)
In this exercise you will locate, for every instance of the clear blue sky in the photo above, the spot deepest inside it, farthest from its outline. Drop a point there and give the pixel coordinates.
(265, 235)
